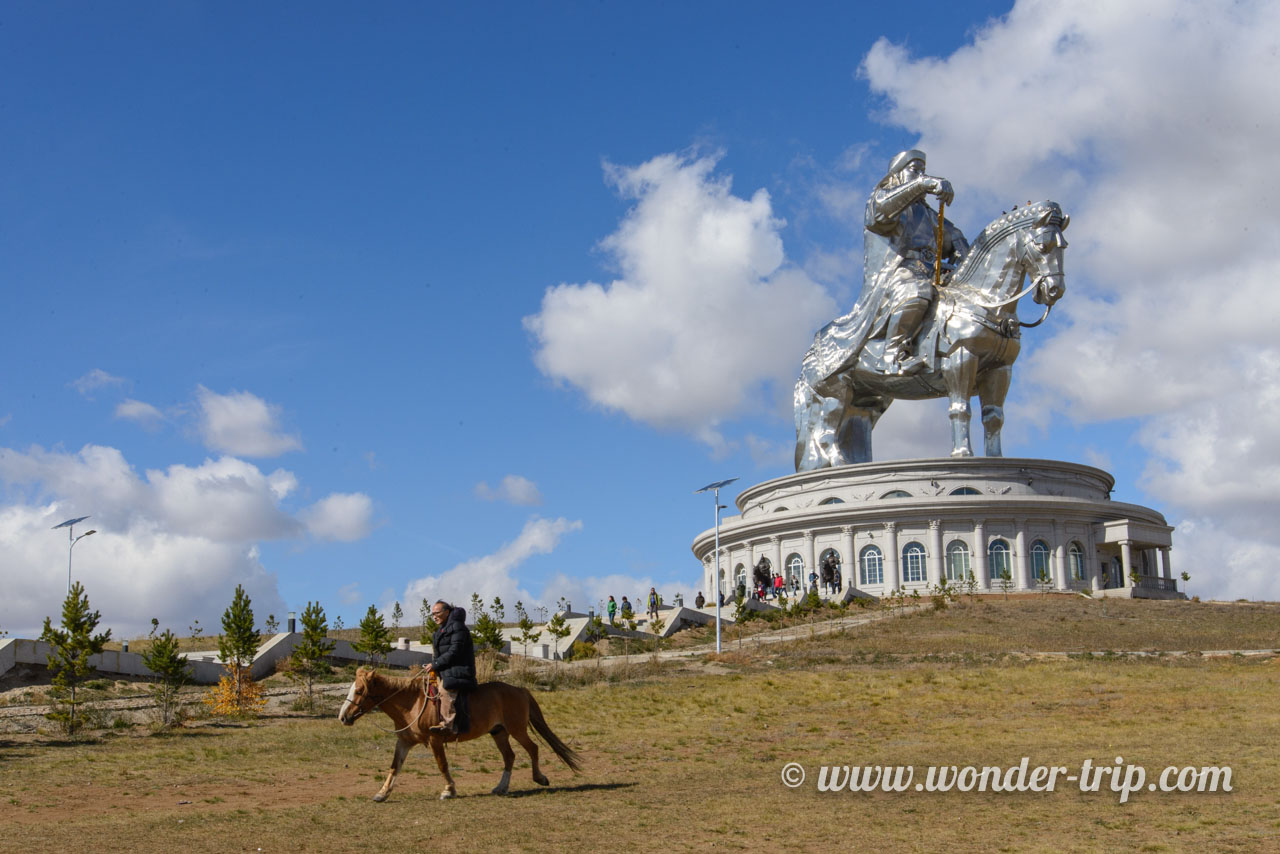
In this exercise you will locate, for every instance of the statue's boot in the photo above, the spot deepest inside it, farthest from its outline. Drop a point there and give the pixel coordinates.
(902, 327)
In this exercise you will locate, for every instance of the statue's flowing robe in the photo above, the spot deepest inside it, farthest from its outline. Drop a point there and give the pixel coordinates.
(890, 244)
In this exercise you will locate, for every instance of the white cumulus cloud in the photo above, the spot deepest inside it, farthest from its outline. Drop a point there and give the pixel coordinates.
(243, 424)
(513, 489)
(706, 311)
(94, 380)
(172, 543)
(342, 517)
(143, 413)
(1154, 124)
(494, 574)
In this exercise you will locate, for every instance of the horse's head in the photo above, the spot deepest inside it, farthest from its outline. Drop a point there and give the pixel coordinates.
(1041, 252)
(360, 697)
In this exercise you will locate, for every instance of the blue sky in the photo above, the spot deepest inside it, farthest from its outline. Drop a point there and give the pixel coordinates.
(361, 305)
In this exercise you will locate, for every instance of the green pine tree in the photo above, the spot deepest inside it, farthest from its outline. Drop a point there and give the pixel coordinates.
(170, 670)
(375, 638)
(486, 632)
(559, 629)
(308, 658)
(527, 625)
(428, 622)
(70, 648)
(397, 614)
(237, 645)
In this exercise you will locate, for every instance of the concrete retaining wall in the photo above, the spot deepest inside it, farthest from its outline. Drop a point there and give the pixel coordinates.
(205, 668)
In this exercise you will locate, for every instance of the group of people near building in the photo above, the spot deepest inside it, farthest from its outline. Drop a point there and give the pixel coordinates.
(625, 611)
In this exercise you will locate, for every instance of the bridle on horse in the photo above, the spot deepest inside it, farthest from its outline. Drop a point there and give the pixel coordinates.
(430, 691)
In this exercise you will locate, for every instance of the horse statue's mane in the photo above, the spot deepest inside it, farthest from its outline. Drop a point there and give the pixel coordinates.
(994, 234)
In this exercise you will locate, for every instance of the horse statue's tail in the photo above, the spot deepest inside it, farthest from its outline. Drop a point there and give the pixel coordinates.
(553, 741)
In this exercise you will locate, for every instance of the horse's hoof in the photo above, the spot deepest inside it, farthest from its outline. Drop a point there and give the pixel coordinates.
(380, 797)
(500, 790)
(446, 795)
(542, 780)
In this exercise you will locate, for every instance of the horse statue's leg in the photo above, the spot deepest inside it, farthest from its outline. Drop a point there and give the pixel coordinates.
(818, 420)
(402, 748)
(442, 762)
(503, 740)
(853, 439)
(960, 373)
(993, 385)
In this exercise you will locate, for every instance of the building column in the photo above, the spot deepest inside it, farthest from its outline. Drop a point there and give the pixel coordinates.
(980, 570)
(1165, 567)
(1126, 562)
(933, 561)
(1021, 566)
(1060, 579)
(775, 548)
(1092, 566)
(810, 561)
(891, 557)
(849, 565)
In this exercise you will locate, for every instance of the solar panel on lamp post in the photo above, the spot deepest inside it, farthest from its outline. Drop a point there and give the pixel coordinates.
(72, 539)
(714, 488)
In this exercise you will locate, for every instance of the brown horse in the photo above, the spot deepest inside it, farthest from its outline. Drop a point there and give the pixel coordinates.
(501, 710)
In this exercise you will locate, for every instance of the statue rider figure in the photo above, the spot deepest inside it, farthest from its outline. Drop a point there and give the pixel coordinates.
(901, 241)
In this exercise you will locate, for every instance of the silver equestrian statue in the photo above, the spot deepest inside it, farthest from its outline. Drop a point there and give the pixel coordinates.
(936, 318)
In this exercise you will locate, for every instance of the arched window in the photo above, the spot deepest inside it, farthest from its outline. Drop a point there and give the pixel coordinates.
(830, 501)
(957, 561)
(999, 561)
(1040, 562)
(1075, 562)
(739, 575)
(870, 566)
(896, 493)
(913, 562)
(795, 570)
(965, 490)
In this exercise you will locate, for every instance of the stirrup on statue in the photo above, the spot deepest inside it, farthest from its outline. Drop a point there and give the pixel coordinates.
(909, 364)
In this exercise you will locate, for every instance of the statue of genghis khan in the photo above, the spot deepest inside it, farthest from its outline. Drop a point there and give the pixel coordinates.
(901, 249)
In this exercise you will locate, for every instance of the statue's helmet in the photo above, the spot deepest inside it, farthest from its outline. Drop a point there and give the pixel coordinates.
(900, 161)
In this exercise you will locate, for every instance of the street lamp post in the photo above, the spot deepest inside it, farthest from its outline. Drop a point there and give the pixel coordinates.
(714, 488)
(72, 539)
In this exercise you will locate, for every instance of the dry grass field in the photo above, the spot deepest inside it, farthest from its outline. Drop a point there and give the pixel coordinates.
(689, 756)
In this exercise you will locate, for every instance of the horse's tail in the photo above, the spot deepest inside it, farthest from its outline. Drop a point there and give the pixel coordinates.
(553, 741)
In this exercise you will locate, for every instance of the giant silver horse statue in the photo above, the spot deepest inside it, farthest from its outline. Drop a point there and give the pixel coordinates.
(968, 336)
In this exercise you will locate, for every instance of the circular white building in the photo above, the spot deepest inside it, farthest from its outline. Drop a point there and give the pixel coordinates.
(1013, 523)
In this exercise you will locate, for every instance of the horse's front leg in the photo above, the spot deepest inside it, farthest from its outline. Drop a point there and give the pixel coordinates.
(960, 373)
(402, 748)
(992, 388)
(442, 762)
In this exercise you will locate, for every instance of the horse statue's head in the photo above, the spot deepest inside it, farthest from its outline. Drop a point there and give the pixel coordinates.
(1026, 240)
(360, 697)
(1041, 250)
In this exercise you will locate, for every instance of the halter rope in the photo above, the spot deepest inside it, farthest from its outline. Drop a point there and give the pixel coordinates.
(425, 696)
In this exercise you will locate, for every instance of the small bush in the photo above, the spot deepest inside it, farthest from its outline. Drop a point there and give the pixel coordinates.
(581, 650)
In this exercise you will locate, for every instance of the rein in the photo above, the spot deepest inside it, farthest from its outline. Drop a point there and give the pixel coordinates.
(426, 696)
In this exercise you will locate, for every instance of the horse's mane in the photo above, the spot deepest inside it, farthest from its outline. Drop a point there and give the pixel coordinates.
(992, 236)
(391, 681)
